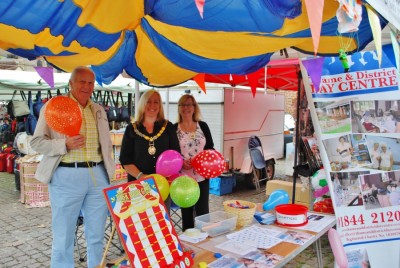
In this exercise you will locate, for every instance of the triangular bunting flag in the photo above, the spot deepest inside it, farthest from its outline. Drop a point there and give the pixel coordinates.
(314, 70)
(253, 82)
(200, 80)
(47, 74)
(396, 49)
(200, 6)
(315, 10)
(376, 32)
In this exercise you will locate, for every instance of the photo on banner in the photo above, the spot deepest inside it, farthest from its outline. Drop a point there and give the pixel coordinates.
(347, 188)
(357, 125)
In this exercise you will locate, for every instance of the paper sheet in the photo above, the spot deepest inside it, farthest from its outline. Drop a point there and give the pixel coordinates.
(257, 237)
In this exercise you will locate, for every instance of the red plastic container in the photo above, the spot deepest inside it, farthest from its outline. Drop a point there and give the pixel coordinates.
(291, 215)
(3, 162)
(10, 158)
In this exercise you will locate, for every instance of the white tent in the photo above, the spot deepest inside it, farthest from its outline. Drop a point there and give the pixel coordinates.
(31, 81)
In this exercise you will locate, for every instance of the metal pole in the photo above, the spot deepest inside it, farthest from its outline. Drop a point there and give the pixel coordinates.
(167, 105)
(297, 137)
(137, 95)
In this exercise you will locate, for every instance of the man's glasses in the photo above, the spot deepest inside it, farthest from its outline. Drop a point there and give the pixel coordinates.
(186, 105)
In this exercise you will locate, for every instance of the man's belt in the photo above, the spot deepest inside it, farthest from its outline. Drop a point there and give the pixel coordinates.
(80, 164)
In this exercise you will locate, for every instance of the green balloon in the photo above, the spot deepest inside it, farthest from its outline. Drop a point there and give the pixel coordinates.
(184, 191)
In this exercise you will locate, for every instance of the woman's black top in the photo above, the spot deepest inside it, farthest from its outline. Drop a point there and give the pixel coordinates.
(134, 149)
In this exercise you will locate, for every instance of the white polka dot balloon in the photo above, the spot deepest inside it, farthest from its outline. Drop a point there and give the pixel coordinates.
(209, 163)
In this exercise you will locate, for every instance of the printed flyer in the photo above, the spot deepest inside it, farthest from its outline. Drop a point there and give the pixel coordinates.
(356, 116)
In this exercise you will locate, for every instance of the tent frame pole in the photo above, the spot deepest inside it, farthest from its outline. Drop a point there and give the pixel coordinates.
(297, 137)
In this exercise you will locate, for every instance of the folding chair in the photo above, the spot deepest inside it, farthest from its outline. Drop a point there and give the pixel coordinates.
(259, 165)
(78, 238)
(176, 217)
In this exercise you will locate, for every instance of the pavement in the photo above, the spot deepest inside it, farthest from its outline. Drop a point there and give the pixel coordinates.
(25, 232)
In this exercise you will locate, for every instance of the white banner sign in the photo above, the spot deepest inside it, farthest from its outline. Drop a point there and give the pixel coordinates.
(356, 115)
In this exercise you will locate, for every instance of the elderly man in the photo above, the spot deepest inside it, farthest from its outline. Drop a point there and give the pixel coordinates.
(77, 169)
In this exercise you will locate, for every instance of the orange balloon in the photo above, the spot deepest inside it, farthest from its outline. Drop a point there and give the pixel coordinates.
(63, 115)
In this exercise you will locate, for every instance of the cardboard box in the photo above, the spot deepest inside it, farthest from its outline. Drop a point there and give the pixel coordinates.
(116, 153)
(116, 138)
(33, 192)
(119, 175)
(28, 168)
(303, 197)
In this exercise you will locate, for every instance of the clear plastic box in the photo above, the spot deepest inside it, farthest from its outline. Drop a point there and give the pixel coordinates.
(216, 223)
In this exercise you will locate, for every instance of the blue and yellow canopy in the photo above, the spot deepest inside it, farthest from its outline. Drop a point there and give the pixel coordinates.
(166, 42)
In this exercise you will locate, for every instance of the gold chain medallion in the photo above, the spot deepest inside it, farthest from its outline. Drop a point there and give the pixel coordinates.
(152, 149)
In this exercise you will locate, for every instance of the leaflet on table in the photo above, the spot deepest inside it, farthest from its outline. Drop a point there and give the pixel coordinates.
(260, 259)
(356, 116)
(316, 222)
(255, 237)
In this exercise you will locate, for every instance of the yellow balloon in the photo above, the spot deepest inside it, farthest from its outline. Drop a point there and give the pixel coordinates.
(162, 185)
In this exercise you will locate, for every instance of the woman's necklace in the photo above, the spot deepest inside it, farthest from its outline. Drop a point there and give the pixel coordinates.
(192, 134)
(152, 149)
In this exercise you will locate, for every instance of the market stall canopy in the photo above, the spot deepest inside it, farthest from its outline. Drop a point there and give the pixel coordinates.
(167, 42)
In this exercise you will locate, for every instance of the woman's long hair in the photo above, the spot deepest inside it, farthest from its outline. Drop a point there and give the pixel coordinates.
(139, 117)
(196, 115)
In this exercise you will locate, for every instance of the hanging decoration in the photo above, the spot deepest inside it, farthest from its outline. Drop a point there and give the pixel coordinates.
(314, 69)
(349, 15)
(200, 80)
(396, 48)
(376, 32)
(344, 60)
(200, 6)
(47, 74)
(316, 8)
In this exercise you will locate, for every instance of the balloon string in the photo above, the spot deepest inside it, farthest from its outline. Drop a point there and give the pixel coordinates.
(86, 154)
(90, 168)
(92, 174)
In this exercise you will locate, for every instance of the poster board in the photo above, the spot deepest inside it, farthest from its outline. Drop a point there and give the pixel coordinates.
(144, 225)
(356, 114)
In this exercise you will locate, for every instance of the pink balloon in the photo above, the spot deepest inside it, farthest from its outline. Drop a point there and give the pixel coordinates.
(169, 163)
(337, 248)
(321, 191)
